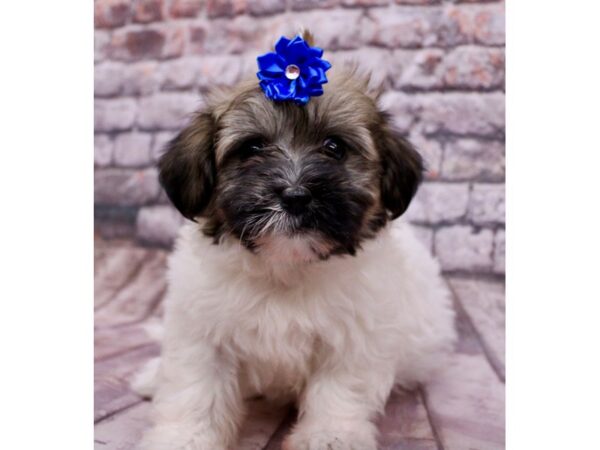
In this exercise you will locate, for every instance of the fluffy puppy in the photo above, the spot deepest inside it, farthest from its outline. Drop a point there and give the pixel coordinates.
(291, 281)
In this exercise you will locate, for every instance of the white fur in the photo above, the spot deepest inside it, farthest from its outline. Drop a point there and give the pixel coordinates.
(333, 335)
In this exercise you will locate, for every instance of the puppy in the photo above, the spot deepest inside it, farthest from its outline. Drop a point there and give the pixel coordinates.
(290, 280)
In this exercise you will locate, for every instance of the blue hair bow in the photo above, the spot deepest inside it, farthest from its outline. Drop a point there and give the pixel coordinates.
(295, 71)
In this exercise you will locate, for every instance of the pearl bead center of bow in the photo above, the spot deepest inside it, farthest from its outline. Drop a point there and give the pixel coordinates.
(292, 72)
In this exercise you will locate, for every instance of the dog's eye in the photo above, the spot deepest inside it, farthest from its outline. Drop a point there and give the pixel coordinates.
(255, 145)
(334, 148)
(250, 148)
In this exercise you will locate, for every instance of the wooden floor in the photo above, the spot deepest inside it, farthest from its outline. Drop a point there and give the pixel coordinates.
(463, 409)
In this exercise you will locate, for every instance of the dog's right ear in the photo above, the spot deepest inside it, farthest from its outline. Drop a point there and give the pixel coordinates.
(188, 169)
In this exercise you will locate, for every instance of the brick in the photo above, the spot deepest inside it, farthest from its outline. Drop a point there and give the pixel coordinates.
(181, 73)
(469, 159)
(205, 72)
(226, 36)
(369, 61)
(246, 34)
(167, 111)
(111, 13)
(448, 26)
(175, 43)
(448, 114)
(133, 149)
(162, 198)
(472, 24)
(185, 8)
(417, 69)
(464, 68)
(365, 2)
(487, 204)
(499, 251)
(114, 115)
(103, 150)
(409, 28)
(146, 11)
(101, 45)
(241, 34)
(463, 248)
(147, 43)
(220, 71)
(125, 187)
(114, 225)
(439, 202)
(108, 79)
(338, 29)
(301, 5)
(264, 7)
(421, 48)
(473, 68)
(138, 44)
(246, 65)
(158, 225)
(462, 114)
(431, 151)
(225, 8)
(424, 235)
(159, 144)
(142, 78)
(197, 39)
(403, 109)
(418, 2)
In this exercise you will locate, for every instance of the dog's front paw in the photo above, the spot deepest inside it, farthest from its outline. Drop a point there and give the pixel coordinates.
(361, 438)
(178, 437)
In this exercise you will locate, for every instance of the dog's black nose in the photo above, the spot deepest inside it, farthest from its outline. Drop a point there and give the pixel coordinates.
(295, 199)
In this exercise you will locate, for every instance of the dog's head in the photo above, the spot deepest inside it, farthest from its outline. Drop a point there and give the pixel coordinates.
(301, 182)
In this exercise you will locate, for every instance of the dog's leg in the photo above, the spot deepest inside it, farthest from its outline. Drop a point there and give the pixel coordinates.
(337, 409)
(198, 404)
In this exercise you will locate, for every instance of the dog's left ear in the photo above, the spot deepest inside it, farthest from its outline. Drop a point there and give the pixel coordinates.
(402, 167)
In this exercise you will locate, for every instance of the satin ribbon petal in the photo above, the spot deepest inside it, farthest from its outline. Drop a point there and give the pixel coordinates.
(272, 66)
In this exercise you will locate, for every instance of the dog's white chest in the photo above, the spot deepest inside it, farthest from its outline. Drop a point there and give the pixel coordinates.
(276, 354)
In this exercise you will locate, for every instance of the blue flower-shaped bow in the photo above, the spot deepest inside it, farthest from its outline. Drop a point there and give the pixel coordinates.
(295, 71)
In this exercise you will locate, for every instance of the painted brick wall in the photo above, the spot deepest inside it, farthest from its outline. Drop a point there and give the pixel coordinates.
(441, 62)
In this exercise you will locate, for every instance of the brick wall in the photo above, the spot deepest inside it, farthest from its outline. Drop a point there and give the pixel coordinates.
(441, 62)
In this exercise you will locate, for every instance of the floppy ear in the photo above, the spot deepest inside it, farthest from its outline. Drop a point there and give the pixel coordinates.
(402, 168)
(187, 169)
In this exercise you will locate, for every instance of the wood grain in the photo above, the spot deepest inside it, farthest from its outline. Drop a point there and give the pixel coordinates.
(466, 404)
(463, 408)
(465, 400)
(405, 424)
(112, 392)
(139, 298)
(284, 428)
(109, 342)
(122, 431)
(483, 301)
(261, 423)
(100, 254)
(114, 268)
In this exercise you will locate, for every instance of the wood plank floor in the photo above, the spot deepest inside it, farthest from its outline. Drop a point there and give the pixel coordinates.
(462, 410)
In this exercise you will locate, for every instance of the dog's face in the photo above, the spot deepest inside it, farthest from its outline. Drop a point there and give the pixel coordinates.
(301, 181)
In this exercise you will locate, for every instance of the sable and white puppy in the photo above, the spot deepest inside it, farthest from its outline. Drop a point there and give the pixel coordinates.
(292, 282)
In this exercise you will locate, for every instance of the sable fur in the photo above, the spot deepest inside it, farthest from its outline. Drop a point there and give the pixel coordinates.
(328, 308)
(381, 171)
